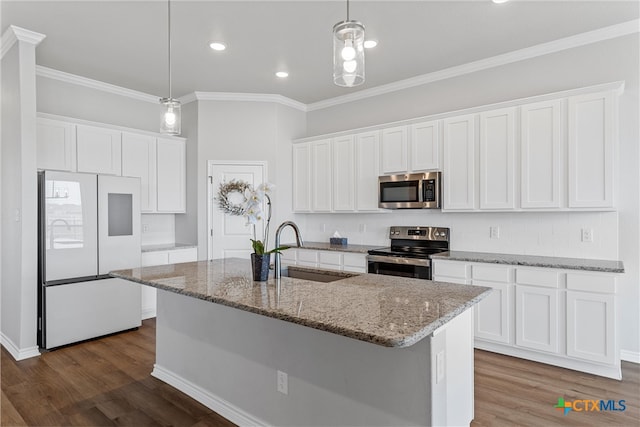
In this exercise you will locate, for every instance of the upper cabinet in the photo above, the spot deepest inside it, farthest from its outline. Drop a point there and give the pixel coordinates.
(395, 147)
(56, 145)
(344, 174)
(302, 177)
(99, 150)
(591, 150)
(459, 163)
(540, 154)
(424, 153)
(497, 159)
(171, 174)
(321, 172)
(160, 163)
(367, 167)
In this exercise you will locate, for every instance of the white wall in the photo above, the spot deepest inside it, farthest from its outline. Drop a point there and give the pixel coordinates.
(18, 282)
(617, 235)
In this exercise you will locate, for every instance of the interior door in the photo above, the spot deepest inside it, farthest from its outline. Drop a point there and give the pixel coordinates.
(118, 223)
(230, 235)
(69, 225)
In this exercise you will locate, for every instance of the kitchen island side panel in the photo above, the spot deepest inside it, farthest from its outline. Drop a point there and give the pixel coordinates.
(230, 357)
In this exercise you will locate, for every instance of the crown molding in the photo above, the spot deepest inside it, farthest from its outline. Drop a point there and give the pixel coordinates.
(238, 96)
(50, 73)
(15, 34)
(601, 34)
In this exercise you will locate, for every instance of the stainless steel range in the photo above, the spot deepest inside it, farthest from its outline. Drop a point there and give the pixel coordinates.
(409, 253)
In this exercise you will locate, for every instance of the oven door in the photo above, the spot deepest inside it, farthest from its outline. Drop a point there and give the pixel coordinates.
(418, 268)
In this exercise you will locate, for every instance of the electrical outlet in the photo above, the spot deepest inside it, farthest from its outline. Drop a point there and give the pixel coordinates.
(145, 228)
(494, 232)
(283, 382)
(587, 235)
(323, 228)
(362, 228)
(440, 367)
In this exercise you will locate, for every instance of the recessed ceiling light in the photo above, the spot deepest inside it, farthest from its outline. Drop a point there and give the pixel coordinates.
(282, 74)
(217, 46)
(499, 1)
(370, 44)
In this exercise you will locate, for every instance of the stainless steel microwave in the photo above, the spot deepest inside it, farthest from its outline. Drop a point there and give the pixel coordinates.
(410, 191)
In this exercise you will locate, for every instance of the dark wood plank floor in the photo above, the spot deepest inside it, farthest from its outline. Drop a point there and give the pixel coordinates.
(106, 382)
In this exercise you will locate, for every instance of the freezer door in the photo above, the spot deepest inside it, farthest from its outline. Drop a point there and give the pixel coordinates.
(118, 223)
(69, 230)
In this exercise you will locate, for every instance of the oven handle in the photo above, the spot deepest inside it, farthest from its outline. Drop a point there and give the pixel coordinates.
(399, 260)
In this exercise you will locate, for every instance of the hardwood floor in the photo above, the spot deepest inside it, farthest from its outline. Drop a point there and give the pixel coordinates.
(106, 382)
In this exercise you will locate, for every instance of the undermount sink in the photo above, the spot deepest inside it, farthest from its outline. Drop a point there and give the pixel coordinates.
(315, 275)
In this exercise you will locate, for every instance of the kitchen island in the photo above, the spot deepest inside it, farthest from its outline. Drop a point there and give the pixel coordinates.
(361, 350)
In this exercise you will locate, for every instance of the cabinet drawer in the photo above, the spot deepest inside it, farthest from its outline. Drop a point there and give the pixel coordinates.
(355, 260)
(491, 273)
(289, 255)
(154, 258)
(546, 278)
(307, 256)
(331, 258)
(451, 280)
(591, 283)
(458, 270)
(183, 255)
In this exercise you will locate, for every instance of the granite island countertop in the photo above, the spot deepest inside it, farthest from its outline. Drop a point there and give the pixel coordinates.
(386, 310)
(584, 264)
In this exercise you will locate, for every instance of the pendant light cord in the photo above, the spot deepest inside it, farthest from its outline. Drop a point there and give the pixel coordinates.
(347, 10)
(169, 41)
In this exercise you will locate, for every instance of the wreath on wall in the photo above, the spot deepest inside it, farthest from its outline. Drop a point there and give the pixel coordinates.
(231, 197)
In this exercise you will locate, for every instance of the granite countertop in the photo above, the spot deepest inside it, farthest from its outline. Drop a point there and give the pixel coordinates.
(386, 310)
(326, 246)
(534, 261)
(167, 247)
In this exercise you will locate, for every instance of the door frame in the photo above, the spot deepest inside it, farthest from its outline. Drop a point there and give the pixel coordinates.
(211, 191)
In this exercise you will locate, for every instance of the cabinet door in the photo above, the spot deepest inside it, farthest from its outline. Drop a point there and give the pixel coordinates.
(367, 170)
(330, 259)
(343, 174)
(497, 143)
(492, 314)
(307, 257)
(354, 262)
(591, 145)
(99, 150)
(321, 176)
(171, 175)
(537, 319)
(56, 145)
(591, 326)
(394, 150)
(302, 177)
(425, 146)
(459, 163)
(540, 146)
(139, 160)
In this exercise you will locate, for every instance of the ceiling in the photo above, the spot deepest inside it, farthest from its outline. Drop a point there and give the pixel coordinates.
(125, 42)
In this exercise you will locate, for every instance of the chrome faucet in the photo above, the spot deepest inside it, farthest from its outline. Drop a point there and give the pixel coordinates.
(296, 230)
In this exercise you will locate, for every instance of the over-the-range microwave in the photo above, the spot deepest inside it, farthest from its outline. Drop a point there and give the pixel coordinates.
(410, 191)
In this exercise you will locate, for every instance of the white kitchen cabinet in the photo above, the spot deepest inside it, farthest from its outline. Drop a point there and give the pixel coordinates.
(99, 150)
(344, 174)
(591, 150)
(152, 258)
(537, 319)
(354, 262)
(367, 167)
(302, 177)
(493, 320)
(288, 257)
(459, 163)
(451, 271)
(425, 146)
(307, 257)
(321, 172)
(541, 147)
(55, 145)
(497, 158)
(395, 149)
(330, 259)
(591, 327)
(171, 175)
(139, 160)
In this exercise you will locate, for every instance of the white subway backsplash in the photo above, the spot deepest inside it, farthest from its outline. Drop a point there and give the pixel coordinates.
(528, 233)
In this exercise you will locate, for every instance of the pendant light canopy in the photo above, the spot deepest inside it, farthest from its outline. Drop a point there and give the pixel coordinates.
(348, 52)
(171, 117)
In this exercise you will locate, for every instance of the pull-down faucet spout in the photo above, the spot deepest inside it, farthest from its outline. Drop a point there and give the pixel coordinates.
(296, 230)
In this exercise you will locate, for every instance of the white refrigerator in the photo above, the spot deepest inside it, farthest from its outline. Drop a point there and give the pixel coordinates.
(88, 225)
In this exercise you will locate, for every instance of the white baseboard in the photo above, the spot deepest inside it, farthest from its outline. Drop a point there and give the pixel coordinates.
(630, 356)
(208, 399)
(148, 313)
(16, 352)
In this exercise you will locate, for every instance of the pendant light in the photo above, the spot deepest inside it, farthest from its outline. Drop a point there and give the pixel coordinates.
(348, 52)
(170, 120)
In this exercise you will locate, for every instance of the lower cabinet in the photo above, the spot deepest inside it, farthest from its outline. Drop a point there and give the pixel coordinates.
(333, 260)
(561, 317)
(174, 256)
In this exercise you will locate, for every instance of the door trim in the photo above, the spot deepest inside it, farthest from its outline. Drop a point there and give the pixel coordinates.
(211, 191)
